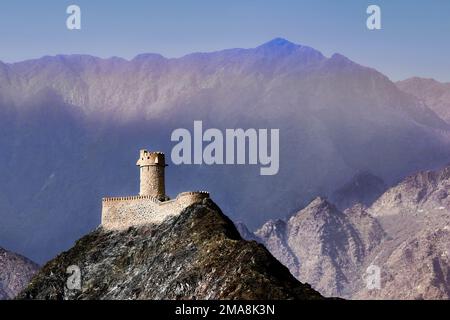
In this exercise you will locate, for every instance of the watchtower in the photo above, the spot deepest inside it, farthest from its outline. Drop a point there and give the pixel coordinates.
(152, 177)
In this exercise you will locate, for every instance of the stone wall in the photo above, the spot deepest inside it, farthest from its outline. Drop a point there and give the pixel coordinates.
(124, 212)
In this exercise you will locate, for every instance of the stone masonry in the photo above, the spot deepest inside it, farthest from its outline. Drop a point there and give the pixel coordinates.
(151, 205)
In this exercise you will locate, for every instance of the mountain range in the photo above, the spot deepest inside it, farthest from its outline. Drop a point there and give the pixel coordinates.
(71, 125)
(405, 233)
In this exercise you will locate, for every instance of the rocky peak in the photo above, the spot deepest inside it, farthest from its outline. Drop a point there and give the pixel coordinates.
(282, 48)
(196, 255)
(421, 192)
(319, 208)
(277, 43)
(277, 227)
(15, 273)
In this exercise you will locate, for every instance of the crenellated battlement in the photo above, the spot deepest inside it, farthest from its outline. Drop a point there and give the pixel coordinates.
(109, 199)
(152, 205)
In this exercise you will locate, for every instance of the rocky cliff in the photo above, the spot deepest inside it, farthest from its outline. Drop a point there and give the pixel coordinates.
(414, 257)
(196, 255)
(15, 273)
(324, 245)
(405, 232)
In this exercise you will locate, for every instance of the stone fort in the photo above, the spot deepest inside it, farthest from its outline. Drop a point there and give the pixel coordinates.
(152, 204)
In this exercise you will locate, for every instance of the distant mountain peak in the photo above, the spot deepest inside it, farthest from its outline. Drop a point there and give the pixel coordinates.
(149, 56)
(320, 202)
(279, 42)
(364, 188)
(320, 208)
(338, 56)
(419, 80)
(285, 47)
(245, 232)
(273, 225)
(338, 59)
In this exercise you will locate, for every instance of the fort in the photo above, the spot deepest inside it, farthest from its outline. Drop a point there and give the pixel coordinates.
(152, 205)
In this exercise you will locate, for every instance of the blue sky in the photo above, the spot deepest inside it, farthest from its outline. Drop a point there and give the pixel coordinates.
(414, 41)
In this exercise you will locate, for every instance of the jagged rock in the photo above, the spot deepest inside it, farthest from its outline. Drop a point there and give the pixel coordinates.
(406, 233)
(196, 255)
(414, 257)
(15, 273)
(245, 233)
(323, 245)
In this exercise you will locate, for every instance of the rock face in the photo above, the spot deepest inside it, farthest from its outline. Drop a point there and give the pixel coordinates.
(197, 255)
(15, 273)
(324, 245)
(406, 233)
(273, 235)
(414, 258)
(336, 118)
(435, 94)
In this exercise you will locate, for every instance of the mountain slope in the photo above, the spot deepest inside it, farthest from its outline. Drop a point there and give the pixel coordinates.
(273, 235)
(15, 273)
(417, 196)
(414, 258)
(197, 255)
(405, 232)
(435, 94)
(70, 125)
(326, 245)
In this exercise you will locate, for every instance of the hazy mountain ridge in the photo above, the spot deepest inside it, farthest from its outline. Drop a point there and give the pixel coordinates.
(364, 188)
(406, 232)
(435, 94)
(78, 120)
(326, 246)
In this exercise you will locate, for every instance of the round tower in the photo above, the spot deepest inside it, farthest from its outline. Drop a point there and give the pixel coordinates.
(152, 166)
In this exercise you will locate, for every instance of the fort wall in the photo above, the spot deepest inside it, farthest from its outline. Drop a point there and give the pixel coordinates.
(123, 212)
